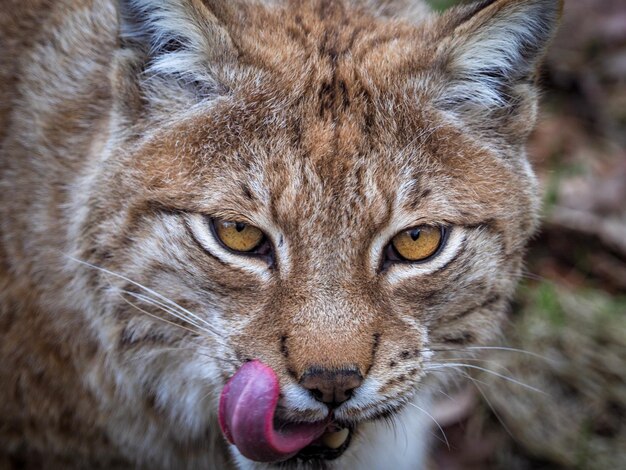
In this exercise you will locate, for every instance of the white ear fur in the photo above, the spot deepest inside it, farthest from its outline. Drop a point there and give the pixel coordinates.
(495, 50)
(182, 39)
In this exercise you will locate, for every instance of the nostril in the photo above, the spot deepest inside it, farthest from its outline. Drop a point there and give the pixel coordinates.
(332, 387)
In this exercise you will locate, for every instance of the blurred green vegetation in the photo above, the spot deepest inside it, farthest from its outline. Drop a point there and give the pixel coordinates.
(443, 4)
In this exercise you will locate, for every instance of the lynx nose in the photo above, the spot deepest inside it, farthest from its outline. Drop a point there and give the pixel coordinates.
(332, 387)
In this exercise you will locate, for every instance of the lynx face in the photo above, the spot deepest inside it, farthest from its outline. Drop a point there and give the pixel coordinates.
(334, 192)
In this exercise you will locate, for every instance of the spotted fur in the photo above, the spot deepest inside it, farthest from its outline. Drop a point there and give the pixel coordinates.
(330, 125)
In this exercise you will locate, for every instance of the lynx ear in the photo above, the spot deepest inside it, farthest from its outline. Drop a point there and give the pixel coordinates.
(179, 40)
(491, 54)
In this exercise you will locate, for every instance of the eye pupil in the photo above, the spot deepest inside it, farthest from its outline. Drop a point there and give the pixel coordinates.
(415, 234)
(240, 226)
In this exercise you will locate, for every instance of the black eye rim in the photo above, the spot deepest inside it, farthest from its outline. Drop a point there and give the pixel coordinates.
(264, 248)
(391, 255)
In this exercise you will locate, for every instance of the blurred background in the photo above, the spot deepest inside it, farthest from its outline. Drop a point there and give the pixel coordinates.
(562, 403)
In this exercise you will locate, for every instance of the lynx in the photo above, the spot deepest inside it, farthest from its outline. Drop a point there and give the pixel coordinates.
(243, 234)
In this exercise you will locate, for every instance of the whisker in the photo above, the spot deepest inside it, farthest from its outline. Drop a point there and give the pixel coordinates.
(194, 332)
(444, 393)
(210, 329)
(493, 410)
(503, 348)
(533, 277)
(147, 289)
(177, 308)
(504, 377)
(471, 359)
(495, 348)
(459, 371)
(207, 333)
(447, 443)
(164, 307)
(155, 351)
(475, 382)
(229, 361)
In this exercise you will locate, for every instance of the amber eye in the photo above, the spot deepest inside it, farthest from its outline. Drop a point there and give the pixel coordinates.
(418, 243)
(238, 236)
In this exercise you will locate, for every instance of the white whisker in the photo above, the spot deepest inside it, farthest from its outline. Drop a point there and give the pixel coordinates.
(471, 366)
(153, 352)
(445, 394)
(181, 310)
(475, 382)
(496, 414)
(179, 315)
(163, 307)
(434, 420)
(447, 360)
(157, 317)
(496, 348)
(147, 289)
(502, 348)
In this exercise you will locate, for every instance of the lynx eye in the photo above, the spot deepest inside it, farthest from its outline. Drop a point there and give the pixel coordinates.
(417, 243)
(238, 236)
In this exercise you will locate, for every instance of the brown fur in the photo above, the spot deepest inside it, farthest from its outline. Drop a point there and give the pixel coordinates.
(320, 124)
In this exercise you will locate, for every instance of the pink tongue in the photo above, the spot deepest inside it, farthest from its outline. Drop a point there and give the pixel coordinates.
(246, 416)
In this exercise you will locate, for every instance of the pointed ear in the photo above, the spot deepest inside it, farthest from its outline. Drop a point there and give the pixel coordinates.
(490, 55)
(180, 43)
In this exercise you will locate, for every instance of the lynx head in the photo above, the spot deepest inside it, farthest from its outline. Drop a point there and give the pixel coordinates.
(324, 186)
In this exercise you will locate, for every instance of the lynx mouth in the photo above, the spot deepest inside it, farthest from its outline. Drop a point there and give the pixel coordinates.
(247, 416)
(332, 445)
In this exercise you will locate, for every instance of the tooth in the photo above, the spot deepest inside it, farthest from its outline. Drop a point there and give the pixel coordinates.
(335, 440)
